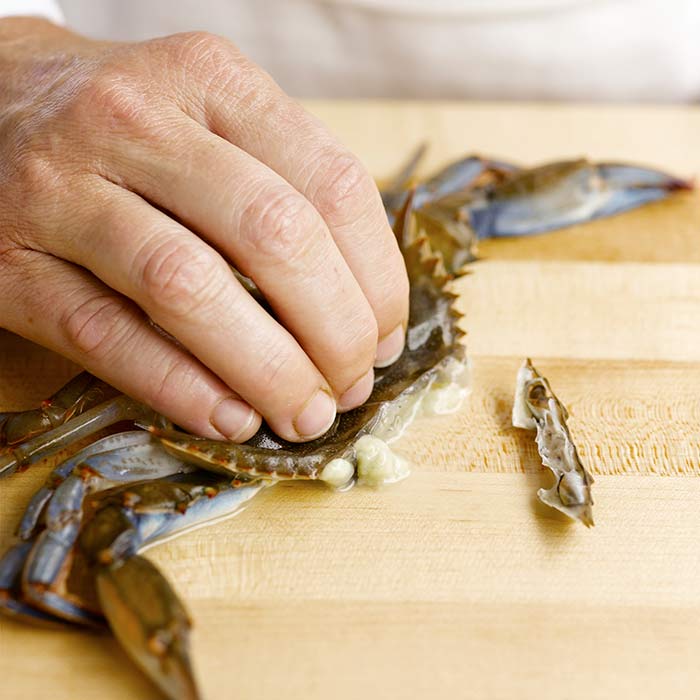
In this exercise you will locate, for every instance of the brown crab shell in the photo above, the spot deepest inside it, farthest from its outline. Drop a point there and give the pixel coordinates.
(433, 346)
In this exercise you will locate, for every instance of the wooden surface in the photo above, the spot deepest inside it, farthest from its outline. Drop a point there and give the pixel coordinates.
(457, 583)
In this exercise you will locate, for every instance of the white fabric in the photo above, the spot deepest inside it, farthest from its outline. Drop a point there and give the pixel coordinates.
(39, 8)
(619, 50)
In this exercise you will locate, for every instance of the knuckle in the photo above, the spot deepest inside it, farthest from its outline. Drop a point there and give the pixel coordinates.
(198, 45)
(355, 345)
(34, 172)
(181, 278)
(96, 326)
(202, 53)
(275, 369)
(278, 227)
(116, 98)
(223, 72)
(346, 187)
(176, 379)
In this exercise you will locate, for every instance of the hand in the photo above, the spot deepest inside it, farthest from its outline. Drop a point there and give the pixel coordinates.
(133, 175)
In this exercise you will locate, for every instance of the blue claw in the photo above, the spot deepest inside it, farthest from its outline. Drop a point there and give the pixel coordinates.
(564, 194)
(634, 176)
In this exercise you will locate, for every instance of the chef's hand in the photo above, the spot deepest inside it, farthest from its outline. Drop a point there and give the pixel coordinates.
(131, 175)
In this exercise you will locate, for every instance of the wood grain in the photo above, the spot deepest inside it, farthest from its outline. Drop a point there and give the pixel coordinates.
(458, 583)
(583, 310)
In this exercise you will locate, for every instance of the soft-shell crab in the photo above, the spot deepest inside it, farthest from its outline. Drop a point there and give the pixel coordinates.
(78, 559)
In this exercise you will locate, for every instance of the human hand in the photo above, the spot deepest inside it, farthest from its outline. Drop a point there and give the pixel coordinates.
(131, 175)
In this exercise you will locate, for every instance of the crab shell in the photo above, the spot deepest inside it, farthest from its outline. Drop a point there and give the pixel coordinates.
(431, 373)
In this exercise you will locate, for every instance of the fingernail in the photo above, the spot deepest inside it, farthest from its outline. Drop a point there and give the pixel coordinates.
(318, 415)
(390, 347)
(232, 418)
(358, 393)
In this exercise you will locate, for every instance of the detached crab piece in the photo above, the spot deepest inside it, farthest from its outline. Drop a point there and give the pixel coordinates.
(558, 195)
(537, 408)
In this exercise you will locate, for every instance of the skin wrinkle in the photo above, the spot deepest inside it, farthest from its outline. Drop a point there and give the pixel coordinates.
(221, 72)
(280, 238)
(98, 322)
(390, 301)
(172, 281)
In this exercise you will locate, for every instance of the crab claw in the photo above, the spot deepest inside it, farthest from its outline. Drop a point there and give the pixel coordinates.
(563, 194)
(150, 622)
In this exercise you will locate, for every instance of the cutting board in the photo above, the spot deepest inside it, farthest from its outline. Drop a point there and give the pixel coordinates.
(457, 583)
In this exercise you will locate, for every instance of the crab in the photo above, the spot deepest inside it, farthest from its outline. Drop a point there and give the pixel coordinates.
(78, 558)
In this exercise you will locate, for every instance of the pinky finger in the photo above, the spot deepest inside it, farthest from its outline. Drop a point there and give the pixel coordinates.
(67, 309)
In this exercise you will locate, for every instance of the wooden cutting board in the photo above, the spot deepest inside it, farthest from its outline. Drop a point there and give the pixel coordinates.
(456, 583)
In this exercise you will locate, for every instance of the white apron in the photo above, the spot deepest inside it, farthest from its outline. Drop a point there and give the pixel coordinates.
(613, 50)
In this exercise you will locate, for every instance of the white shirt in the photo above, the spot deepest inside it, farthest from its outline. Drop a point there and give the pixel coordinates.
(619, 50)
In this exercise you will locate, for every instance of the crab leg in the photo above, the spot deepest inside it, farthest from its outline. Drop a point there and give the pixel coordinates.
(121, 408)
(460, 176)
(46, 564)
(11, 602)
(563, 194)
(28, 524)
(81, 393)
(394, 192)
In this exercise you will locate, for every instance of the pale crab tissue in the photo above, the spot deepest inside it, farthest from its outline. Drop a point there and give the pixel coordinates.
(448, 392)
(522, 416)
(377, 463)
(338, 472)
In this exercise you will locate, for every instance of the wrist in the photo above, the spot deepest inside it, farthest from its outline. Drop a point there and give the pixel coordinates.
(34, 52)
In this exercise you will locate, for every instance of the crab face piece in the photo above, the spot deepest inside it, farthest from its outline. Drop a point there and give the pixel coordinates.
(536, 407)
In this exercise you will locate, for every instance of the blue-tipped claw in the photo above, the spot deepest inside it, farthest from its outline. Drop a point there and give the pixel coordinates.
(564, 194)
